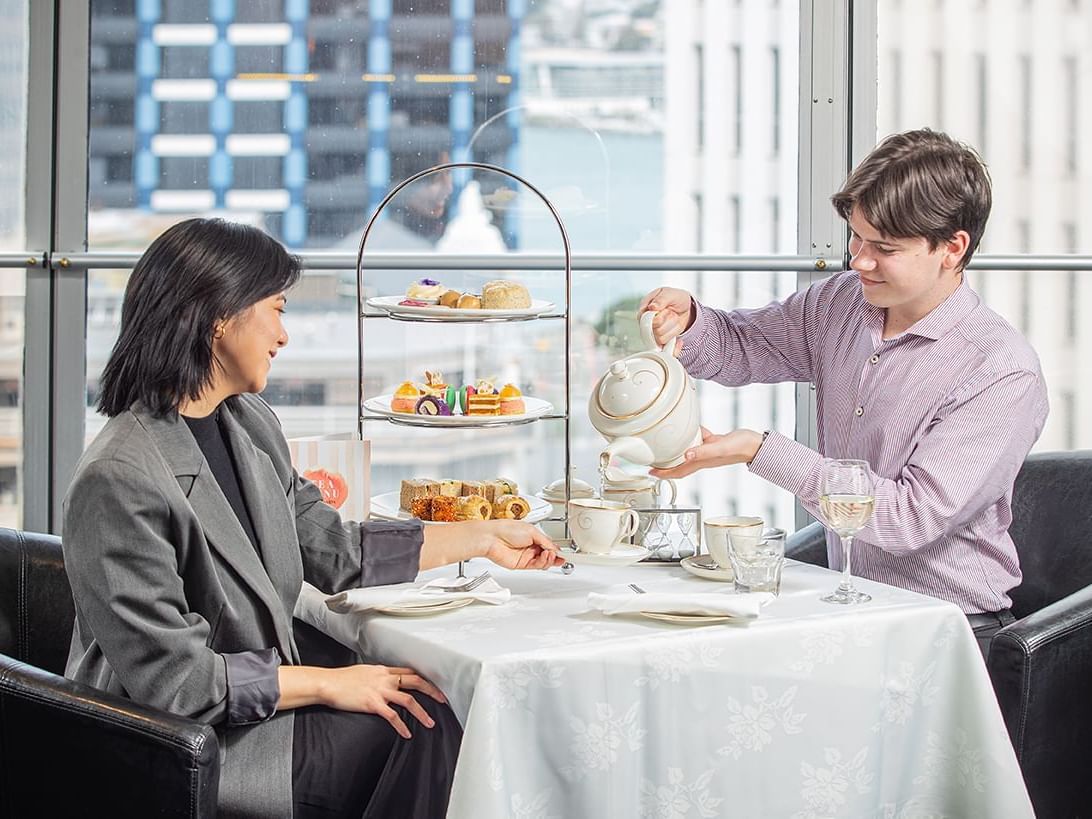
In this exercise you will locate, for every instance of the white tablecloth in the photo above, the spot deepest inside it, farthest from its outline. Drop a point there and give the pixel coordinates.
(814, 710)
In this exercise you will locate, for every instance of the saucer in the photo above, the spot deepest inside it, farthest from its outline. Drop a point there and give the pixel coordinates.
(687, 619)
(724, 575)
(424, 609)
(621, 556)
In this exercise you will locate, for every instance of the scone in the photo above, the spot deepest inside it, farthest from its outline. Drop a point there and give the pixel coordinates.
(504, 295)
(468, 301)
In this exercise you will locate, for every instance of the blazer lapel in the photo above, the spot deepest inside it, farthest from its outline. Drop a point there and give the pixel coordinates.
(221, 527)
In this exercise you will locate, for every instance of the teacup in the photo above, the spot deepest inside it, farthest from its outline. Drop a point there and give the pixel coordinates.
(718, 530)
(638, 493)
(599, 526)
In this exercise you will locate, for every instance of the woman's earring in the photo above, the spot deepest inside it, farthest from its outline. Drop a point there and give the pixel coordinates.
(218, 332)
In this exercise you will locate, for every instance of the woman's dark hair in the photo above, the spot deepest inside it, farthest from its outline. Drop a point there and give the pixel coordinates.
(195, 275)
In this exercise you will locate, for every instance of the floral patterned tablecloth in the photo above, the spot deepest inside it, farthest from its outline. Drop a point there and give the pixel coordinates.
(882, 710)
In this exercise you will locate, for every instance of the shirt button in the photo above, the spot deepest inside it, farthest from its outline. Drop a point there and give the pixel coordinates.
(874, 359)
(859, 411)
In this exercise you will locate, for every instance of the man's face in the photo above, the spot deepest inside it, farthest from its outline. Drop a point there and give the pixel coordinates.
(902, 275)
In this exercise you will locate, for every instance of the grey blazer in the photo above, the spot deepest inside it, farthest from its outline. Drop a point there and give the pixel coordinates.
(166, 582)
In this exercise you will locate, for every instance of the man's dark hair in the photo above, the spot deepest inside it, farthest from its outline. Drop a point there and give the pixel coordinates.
(195, 275)
(920, 184)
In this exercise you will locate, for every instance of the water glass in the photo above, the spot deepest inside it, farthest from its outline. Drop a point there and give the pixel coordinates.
(757, 560)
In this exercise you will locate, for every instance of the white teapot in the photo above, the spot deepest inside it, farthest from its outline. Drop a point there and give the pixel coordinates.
(646, 406)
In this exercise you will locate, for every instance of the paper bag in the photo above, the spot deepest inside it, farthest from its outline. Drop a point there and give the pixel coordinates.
(339, 465)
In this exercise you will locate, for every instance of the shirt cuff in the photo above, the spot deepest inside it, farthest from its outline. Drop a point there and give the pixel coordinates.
(693, 337)
(788, 464)
(391, 551)
(253, 685)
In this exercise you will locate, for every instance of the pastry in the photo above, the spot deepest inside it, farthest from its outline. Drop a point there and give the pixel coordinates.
(512, 507)
(451, 489)
(435, 385)
(473, 488)
(511, 400)
(504, 295)
(464, 393)
(512, 488)
(483, 404)
(468, 301)
(405, 397)
(414, 303)
(473, 507)
(421, 508)
(426, 290)
(450, 298)
(451, 396)
(431, 405)
(444, 509)
(417, 488)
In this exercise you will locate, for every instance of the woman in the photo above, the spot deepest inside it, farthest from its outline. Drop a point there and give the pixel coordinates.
(187, 535)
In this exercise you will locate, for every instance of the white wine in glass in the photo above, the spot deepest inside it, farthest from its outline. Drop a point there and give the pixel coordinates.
(846, 500)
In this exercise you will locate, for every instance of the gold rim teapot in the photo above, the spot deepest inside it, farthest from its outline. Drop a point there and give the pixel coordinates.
(646, 406)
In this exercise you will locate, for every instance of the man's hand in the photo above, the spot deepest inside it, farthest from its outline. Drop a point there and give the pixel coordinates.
(675, 312)
(737, 447)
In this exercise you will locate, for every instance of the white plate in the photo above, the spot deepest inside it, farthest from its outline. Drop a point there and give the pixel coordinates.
(387, 506)
(722, 574)
(424, 609)
(389, 304)
(622, 556)
(687, 619)
(381, 405)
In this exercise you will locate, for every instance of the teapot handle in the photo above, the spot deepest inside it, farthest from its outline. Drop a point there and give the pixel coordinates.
(647, 336)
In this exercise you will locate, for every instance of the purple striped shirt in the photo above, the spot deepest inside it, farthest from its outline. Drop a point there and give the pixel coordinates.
(944, 413)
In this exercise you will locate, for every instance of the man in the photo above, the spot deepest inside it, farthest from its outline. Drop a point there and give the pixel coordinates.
(913, 373)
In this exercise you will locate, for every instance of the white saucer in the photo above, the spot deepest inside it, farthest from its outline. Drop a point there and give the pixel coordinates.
(687, 619)
(723, 574)
(424, 609)
(622, 556)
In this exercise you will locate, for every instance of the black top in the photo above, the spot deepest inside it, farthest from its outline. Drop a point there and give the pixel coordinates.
(213, 441)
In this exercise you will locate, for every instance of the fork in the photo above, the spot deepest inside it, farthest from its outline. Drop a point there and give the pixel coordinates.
(469, 585)
(636, 588)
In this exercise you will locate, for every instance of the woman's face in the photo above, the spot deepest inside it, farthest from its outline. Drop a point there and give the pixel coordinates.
(250, 341)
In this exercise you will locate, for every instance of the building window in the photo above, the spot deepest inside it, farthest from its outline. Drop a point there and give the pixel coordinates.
(183, 172)
(177, 117)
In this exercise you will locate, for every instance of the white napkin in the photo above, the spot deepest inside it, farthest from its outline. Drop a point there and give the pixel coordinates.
(743, 606)
(377, 597)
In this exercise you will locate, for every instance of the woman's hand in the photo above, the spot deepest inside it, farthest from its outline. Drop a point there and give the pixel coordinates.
(675, 312)
(369, 689)
(737, 447)
(512, 544)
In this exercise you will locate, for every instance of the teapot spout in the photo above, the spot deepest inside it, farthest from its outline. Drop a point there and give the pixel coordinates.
(632, 449)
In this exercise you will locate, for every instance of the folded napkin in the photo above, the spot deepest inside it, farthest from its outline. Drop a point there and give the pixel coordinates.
(743, 606)
(378, 597)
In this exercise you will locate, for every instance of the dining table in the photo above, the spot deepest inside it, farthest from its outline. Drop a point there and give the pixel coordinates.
(810, 710)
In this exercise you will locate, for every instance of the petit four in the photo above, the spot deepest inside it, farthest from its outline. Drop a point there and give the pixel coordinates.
(426, 290)
(483, 404)
(511, 506)
(435, 385)
(431, 405)
(450, 298)
(468, 301)
(502, 294)
(405, 397)
(511, 400)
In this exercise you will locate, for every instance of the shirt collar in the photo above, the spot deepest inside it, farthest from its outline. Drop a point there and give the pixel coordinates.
(947, 314)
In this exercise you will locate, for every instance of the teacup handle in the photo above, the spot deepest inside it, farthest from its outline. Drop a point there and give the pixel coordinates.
(647, 336)
(674, 488)
(627, 526)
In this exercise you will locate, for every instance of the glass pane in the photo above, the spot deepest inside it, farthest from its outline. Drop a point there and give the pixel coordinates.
(976, 71)
(301, 117)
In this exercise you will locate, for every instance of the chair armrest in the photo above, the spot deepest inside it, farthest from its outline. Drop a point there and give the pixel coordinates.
(808, 545)
(1040, 667)
(67, 749)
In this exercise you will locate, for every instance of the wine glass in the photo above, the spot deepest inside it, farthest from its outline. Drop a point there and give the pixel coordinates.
(846, 499)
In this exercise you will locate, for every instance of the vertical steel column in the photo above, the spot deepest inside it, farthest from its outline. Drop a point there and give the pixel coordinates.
(221, 110)
(461, 107)
(380, 80)
(513, 116)
(146, 115)
(294, 229)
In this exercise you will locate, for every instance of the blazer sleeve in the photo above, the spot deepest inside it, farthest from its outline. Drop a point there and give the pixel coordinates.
(340, 555)
(123, 569)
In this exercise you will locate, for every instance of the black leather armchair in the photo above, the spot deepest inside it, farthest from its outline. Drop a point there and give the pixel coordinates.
(1040, 665)
(70, 750)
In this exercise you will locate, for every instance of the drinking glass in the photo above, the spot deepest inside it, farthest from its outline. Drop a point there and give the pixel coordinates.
(846, 499)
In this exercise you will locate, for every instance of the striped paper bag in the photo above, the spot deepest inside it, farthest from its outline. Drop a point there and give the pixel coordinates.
(339, 467)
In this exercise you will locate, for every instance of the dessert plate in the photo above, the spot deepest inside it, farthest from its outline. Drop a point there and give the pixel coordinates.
(534, 407)
(695, 566)
(387, 506)
(424, 609)
(622, 556)
(687, 619)
(390, 305)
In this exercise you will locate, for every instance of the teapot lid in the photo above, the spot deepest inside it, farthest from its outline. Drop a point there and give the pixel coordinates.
(631, 386)
(555, 490)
